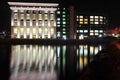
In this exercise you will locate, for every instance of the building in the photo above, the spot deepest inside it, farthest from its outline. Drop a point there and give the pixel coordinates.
(33, 20)
(90, 24)
(54, 21)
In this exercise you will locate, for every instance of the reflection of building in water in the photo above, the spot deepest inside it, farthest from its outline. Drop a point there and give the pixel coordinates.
(33, 20)
(86, 54)
(33, 59)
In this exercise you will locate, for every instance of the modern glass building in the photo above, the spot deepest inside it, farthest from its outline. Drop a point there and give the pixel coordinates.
(33, 20)
(90, 25)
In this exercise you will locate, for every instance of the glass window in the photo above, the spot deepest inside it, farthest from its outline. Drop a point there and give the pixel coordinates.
(81, 16)
(28, 23)
(52, 31)
(15, 31)
(28, 16)
(45, 16)
(81, 22)
(64, 22)
(58, 25)
(34, 16)
(96, 22)
(58, 22)
(58, 12)
(15, 16)
(64, 12)
(22, 16)
(81, 19)
(22, 23)
(28, 30)
(58, 19)
(63, 15)
(85, 22)
(40, 23)
(34, 30)
(91, 17)
(34, 23)
(46, 23)
(51, 16)
(51, 23)
(40, 31)
(15, 23)
(40, 17)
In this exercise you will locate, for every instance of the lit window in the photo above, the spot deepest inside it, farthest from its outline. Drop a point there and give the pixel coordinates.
(28, 23)
(81, 16)
(63, 15)
(34, 16)
(21, 30)
(46, 31)
(64, 22)
(58, 22)
(96, 16)
(63, 19)
(81, 19)
(81, 22)
(91, 22)
(91, 17)
(64, 12)
(28, 30)
(46, 23)
(85, 19)
(81, 31)
(91, 34)
(101, 31)
(85, 22)
(85, 31)
(96, 30)
(96, 19)
(15, 23)
(40, 23)
(58, 19)
(28, 16)
(96, 22)
(22, 16)
(40, 31)
(58, 12)
(52, 31)
(45, 16)
(91, 30)
(96, 34)
(34, 30)
(15, 16)
(15, 30)
(101, 17)
(51, 16)
(34, 23)
(58, 34)
(58, 25)
(40, 17)
(51, 23)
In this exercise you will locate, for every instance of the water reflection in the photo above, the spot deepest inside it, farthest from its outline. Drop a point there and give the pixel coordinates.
(50, 62)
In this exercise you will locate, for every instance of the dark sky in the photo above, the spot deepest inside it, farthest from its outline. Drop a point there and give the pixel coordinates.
(109, 7)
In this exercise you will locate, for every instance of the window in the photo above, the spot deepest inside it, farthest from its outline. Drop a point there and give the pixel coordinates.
(15, 31)
(45, 16)
(34, 16)
(40, 17)
(40, 23)
(22, 16)
(28, 16)
(58, 12)
(51, 16)
(46, 23)
(15, 16)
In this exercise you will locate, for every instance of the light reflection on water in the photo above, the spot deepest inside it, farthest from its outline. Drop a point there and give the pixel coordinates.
(48, 62)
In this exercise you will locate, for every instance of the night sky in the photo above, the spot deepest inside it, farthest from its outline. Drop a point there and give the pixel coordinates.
(111, 8)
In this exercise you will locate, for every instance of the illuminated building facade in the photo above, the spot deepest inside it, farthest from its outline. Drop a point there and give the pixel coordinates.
(90, 25)
(33, 20)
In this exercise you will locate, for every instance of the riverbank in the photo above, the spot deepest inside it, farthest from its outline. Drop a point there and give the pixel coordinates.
(55, 41)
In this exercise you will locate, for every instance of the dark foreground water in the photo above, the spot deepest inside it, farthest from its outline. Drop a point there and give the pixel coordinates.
(45, 62)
